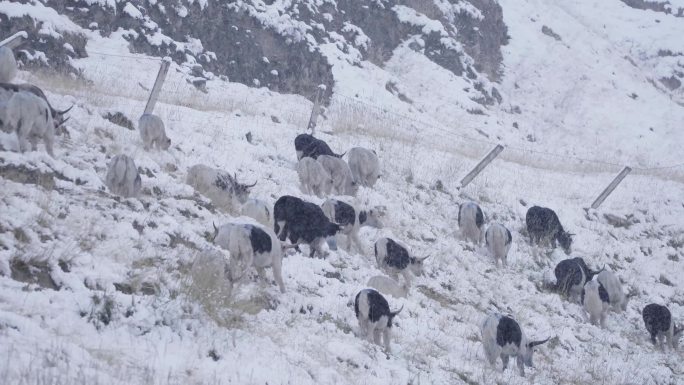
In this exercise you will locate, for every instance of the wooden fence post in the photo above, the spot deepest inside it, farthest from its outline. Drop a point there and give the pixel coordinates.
(611, 187)
(480, 166)
(14, 40)
(161, 76)
(315, 110)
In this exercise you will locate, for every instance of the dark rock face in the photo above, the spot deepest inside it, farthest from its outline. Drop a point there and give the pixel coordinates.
(655, 6)
(285, 49)
(674, 81)
(484, 37)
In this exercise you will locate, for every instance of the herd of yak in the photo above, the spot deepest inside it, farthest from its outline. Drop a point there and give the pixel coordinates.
(25, 110)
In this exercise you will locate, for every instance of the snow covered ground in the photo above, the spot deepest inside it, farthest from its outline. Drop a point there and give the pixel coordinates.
(125, 313)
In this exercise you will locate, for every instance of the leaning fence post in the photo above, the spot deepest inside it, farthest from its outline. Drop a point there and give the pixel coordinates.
(315, 110)
(480, 166)
(163, 70)
(611, 187)
(14, 40)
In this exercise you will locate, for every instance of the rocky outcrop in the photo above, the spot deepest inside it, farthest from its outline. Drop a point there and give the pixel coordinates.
(285, 45)
(657, 6)
(43, 46)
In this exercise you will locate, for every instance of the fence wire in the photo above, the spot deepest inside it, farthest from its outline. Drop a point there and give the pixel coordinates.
(529, 171)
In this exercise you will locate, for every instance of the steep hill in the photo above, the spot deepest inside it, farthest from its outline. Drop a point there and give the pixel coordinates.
(98, 289)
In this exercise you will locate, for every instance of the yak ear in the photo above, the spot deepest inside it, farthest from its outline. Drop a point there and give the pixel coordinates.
(678, 330)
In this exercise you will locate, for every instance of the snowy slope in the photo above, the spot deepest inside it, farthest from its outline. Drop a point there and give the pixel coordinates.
(125, 314)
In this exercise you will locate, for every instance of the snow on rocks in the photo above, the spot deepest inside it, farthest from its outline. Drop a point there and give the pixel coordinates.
(122, 268)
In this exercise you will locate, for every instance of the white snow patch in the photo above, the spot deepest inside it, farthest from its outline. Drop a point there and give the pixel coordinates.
(132, 11)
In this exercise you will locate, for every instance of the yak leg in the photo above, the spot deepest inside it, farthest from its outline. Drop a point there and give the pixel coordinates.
(386, 337)
(261, 272)
(407, 277)
(376, 336)
(491, 352)
(34, 142)
(521, 366)
(354, 235)
(363, 326)
(504, 359)
(370, 331)
(278, 273)
(23, 131)
(49, 139)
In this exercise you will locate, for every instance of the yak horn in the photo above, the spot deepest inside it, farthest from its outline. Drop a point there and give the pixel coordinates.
(63, 121)
(67, 110)
(424, 258)
(398, 311)
(535, 343)
(251, 185)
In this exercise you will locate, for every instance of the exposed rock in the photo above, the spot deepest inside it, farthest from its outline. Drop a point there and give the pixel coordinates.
(22, 174)
(664, 7)
(39, 47)
(241, 42)
(394, 90)
(672, 83)
(549, 32)
(617, 221)
(119, 119)
(33, 272)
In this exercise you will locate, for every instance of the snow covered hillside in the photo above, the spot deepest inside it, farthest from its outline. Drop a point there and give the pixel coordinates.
(95, 289)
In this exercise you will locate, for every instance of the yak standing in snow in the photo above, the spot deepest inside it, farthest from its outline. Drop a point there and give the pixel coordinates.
(153, 133)
(543, 225)
(342, 179)
(502, 337)
(251, 245)
(374, 315)
(122, 177)
(596, 302)
(313, 177)
(220, 187)
(661, 326)
(302, 223)
(470, 222)
(364, 166)
(498, 240)
(29, 116)
(7, 90)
